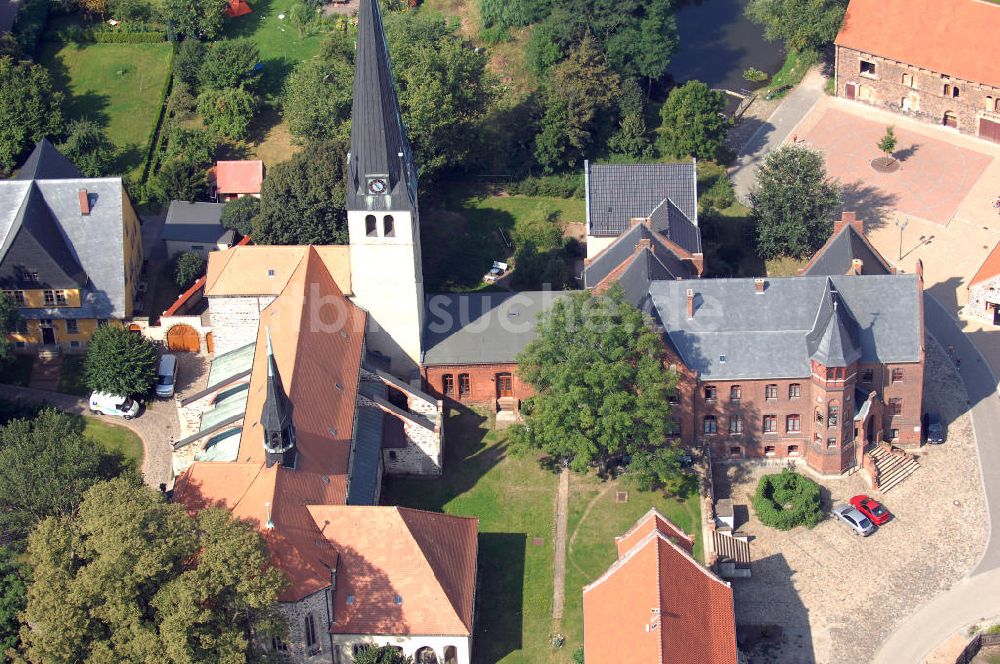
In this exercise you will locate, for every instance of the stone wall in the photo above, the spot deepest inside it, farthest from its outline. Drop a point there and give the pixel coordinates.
(916, 92)
(423, 426)
(235, 320)
(447, 649)
(295, 648)
(983, 297)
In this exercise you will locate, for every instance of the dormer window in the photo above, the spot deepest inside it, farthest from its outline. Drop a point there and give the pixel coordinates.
(29, 275)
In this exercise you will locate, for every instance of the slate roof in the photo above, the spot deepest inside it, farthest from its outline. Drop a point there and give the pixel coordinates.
(482, 328)
(837, 255)
(196, 222)
(923, 33)
(88, 248)
(617, 193)
(378, 139)
(33, 242)
(768, 335)
(652, 264)
(656, 603)
(833, 341)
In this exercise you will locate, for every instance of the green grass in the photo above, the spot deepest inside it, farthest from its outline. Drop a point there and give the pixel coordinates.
(463, 229)
(117, 85)
(17, 370)
(595, 519)
(514, 499)
(796, 64)
(115, 439)
(71, 378)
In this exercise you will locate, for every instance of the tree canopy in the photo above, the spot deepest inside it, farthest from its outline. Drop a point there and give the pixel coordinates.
(188, 267)
(132, 578)
(600, 384)
(229, 64)
(383, 655)
(46, 464)
(89, 148)
(319, 91)
(179, 179)
(693, 124)
(201, 19)
(30, 109)
(791, 203)
(12, 598)
(120, 362)
(302, 200)
(228, 111)
(239, 214)
(801, 24)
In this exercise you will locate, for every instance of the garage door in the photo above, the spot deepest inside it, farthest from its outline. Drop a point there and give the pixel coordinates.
(989, 129)
(183, 337)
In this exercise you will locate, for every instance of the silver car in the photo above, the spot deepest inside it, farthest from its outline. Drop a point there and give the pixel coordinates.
(855, 520)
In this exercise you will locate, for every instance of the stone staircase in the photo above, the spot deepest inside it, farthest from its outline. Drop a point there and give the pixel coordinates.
(891, 467)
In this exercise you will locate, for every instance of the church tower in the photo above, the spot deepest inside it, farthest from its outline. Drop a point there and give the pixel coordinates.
(386, 273)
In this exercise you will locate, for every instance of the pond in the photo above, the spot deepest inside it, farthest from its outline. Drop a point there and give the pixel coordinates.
(718, 43)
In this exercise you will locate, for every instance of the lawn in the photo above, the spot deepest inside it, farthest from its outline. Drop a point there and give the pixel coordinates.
(595, 519)
(464, 230)
(514, 499)
(115, 439)
(118, 85)
(71, 378)
(796, 64)
(17, 370)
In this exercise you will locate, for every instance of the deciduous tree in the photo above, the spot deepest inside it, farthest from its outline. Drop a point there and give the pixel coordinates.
(383, 655)
(10, 314)
(12, 598)
(133, 578)
(228, 111)
(693, 125)
(179, 180)
(600, 385)
(189, 267)
(30, 109)
(201, 19)
(791, 203)
(317, 98)
(240, 213)
(230, 63)
(801, 24)
(120, 362)
(89, 148)
(887, 143)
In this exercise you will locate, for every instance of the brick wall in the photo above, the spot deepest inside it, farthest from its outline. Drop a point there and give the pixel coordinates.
(923, 89)
(482, 382)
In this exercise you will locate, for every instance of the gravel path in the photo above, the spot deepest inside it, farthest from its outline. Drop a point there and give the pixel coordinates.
(559, 564)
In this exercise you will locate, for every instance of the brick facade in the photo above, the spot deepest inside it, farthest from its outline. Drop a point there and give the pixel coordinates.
(482, 382)
(919, 93)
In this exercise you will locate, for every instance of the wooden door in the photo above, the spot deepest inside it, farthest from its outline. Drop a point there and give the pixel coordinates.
(989, 129)
(183, 337)
(951, 120)
(850, 90)
(209, 343)
(48, 336)
(505, 385)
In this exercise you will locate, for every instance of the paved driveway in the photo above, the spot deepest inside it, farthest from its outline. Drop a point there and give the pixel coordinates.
(837, 595)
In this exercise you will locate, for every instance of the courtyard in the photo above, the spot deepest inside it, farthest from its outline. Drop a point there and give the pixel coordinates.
(828, 596)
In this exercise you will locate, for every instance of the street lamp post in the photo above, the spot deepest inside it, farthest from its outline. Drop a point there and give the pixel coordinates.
(901, 225)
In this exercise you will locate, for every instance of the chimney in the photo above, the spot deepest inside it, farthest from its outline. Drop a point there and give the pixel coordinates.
(644, 243)
(758, 286)
(690, 302)
(84, 201)
(856, 265)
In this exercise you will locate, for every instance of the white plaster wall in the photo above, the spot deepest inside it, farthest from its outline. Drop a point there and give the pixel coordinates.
(596, 245)
(175, 247)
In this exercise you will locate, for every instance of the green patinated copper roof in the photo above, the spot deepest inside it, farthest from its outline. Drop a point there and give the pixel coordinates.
(229, 403)
(228, 365)
(224, 446)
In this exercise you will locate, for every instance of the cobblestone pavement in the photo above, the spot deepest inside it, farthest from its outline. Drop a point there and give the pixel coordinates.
(836, 595)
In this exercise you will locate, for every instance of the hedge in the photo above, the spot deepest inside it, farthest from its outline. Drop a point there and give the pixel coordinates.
(153, 145)
(76, 34)
(787, 500)
(569, 185)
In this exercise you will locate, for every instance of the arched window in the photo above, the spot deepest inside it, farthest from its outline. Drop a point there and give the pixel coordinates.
(833, 414)
(954, 91)
(371, 229)
(947, 90)
(988, 105)
(388, 226)
(996, 105)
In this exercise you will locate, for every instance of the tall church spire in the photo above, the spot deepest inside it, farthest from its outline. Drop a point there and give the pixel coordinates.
(276, 418)
(380, 170)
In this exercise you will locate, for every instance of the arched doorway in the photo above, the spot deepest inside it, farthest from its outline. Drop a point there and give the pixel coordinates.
(950, 120)
(425, 655)
(183, 337)
(450, 655)
(209, 343)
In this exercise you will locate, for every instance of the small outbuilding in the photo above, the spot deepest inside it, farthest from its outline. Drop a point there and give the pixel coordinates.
(236, 179)
(195, 227)
(984, 290)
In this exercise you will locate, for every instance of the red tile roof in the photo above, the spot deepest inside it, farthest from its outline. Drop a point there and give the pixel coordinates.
(953, 37)
(650, 522)
(657, 604)
(239, 177)
(990, 267)
(401, 571)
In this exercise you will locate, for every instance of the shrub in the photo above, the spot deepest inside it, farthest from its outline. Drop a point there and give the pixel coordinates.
(787, 500)
(497, 34)
(754, 75)
(504, 13)
(569, 185)
(188, 267)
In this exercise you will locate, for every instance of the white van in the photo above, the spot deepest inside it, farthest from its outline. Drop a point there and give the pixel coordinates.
(166, 376)
(115, 406)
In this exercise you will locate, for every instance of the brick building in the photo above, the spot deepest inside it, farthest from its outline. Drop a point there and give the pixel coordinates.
(935, 60)
(813, 367)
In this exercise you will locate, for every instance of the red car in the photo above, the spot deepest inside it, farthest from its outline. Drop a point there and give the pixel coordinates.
(872, 509)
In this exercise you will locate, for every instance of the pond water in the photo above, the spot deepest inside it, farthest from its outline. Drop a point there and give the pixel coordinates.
(718, 43)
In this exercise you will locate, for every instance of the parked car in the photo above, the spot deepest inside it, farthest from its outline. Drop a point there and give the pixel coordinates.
(113, 405)
(498, 270)
(854, 520)
(166, 376)
(933, 428)
(872, 509)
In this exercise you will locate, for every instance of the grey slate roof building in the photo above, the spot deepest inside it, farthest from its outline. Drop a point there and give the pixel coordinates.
(617, 193)
(196, 222)
(43, 229)
(846, 245)
(482, 328)
(379, 148)
(737, 333)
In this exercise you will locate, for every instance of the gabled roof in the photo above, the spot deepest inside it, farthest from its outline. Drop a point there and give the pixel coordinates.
(239, 177)
(617, 193)
(658, 604)
(653, 521)
(401, 571)
(46, 163)
(953, 37)
(990, 267)
(482, 328)
(378, 140)
(34, 242)
(847, 244)
(265, 270)
(736, 333)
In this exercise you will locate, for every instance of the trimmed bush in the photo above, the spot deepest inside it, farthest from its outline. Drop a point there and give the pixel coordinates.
(569, 185)
(787, 500)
